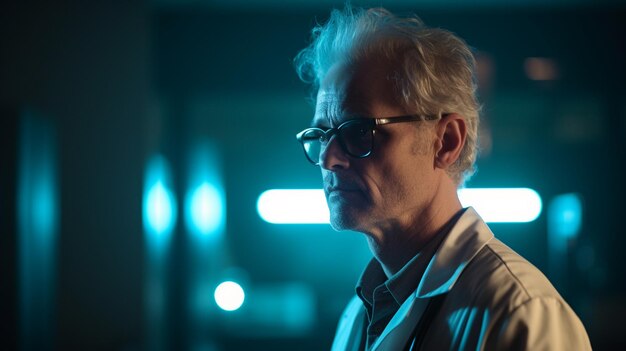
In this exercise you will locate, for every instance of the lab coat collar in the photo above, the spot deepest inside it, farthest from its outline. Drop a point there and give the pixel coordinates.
(468, 236)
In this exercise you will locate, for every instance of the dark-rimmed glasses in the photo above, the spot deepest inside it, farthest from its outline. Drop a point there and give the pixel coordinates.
(355, 136)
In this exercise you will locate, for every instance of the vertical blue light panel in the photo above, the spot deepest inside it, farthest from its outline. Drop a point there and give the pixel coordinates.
(159, 204)
(37, 226)
(205, 213)
(159, 209)
(565, 216)
(206, 209)
(159, 220)
(204, 203)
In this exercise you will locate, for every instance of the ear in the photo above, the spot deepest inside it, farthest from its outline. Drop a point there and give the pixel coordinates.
(451, 134)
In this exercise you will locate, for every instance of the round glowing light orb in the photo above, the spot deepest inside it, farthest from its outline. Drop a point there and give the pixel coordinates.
(229, 296)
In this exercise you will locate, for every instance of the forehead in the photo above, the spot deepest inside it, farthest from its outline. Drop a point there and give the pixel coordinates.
(347, 90)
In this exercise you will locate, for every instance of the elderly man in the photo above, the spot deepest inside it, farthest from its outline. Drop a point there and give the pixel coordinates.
(394, 133)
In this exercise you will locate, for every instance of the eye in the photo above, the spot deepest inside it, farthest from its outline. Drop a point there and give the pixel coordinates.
(313, 135)
(357, 131)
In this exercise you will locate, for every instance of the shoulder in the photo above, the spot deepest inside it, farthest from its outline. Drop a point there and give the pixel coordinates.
(540, 323)
(507, 303)
(499, 275)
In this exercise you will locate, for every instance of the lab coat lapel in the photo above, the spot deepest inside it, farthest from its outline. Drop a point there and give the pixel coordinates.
(400, 328)
(350, 328)
(468, 236)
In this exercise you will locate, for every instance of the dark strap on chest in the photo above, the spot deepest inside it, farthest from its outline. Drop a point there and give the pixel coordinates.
(434, 305)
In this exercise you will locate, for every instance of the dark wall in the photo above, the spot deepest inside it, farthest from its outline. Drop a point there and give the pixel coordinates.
(85, 66)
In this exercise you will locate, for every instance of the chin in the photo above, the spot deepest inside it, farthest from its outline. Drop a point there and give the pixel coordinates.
(345, 219)
(347, 212)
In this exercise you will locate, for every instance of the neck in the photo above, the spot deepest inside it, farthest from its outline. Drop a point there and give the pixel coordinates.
(399, 241)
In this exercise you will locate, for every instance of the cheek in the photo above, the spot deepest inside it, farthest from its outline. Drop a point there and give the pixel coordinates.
(385, 184)
(404, 178)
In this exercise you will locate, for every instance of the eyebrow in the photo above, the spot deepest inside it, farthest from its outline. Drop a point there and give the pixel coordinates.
(326, 121)
(334, 119)
(315, 125)
(333, 108)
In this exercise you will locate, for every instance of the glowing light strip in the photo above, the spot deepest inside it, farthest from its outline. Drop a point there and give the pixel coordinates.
(292, 206)
(503, 205)
(308, 206)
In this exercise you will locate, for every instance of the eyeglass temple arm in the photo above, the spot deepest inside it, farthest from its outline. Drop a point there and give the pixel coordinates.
(408, 118)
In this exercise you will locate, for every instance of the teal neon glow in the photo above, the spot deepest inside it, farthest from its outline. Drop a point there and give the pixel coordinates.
(229, 296)
(565, 216)
(503, 205)
(206, 209)
(36, 235)
(159, 209)
(308, 206)
(205, 202)
(290, 206)
(159, 203)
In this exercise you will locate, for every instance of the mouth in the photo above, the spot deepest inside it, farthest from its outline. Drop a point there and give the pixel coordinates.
(343, 192)
(334, 184)
(342, 189)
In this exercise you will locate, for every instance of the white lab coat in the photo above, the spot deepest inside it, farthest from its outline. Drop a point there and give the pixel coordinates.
(496, 301)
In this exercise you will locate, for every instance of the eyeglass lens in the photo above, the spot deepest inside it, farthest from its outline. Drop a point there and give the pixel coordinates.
(356, 138)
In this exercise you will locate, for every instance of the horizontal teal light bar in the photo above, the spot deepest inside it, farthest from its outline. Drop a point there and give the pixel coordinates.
(292, 206)
(503, 205)
(308, 206)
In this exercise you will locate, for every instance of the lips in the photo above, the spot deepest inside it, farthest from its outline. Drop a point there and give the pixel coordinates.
(333, 189)
(336, 184)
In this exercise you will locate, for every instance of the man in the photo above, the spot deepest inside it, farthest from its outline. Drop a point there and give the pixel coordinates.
(394, 133)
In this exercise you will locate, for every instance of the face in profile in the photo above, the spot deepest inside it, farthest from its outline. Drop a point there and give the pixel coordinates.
(396, 179)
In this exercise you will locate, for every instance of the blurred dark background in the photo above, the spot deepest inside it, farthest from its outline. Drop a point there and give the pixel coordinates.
(107, 106)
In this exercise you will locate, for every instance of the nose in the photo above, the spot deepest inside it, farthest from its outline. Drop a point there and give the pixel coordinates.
(332, 157)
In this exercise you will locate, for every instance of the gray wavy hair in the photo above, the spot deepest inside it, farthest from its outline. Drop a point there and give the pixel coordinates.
(435, 73)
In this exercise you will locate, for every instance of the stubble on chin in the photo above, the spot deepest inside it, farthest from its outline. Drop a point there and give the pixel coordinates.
(340, 222)
(345, 216)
